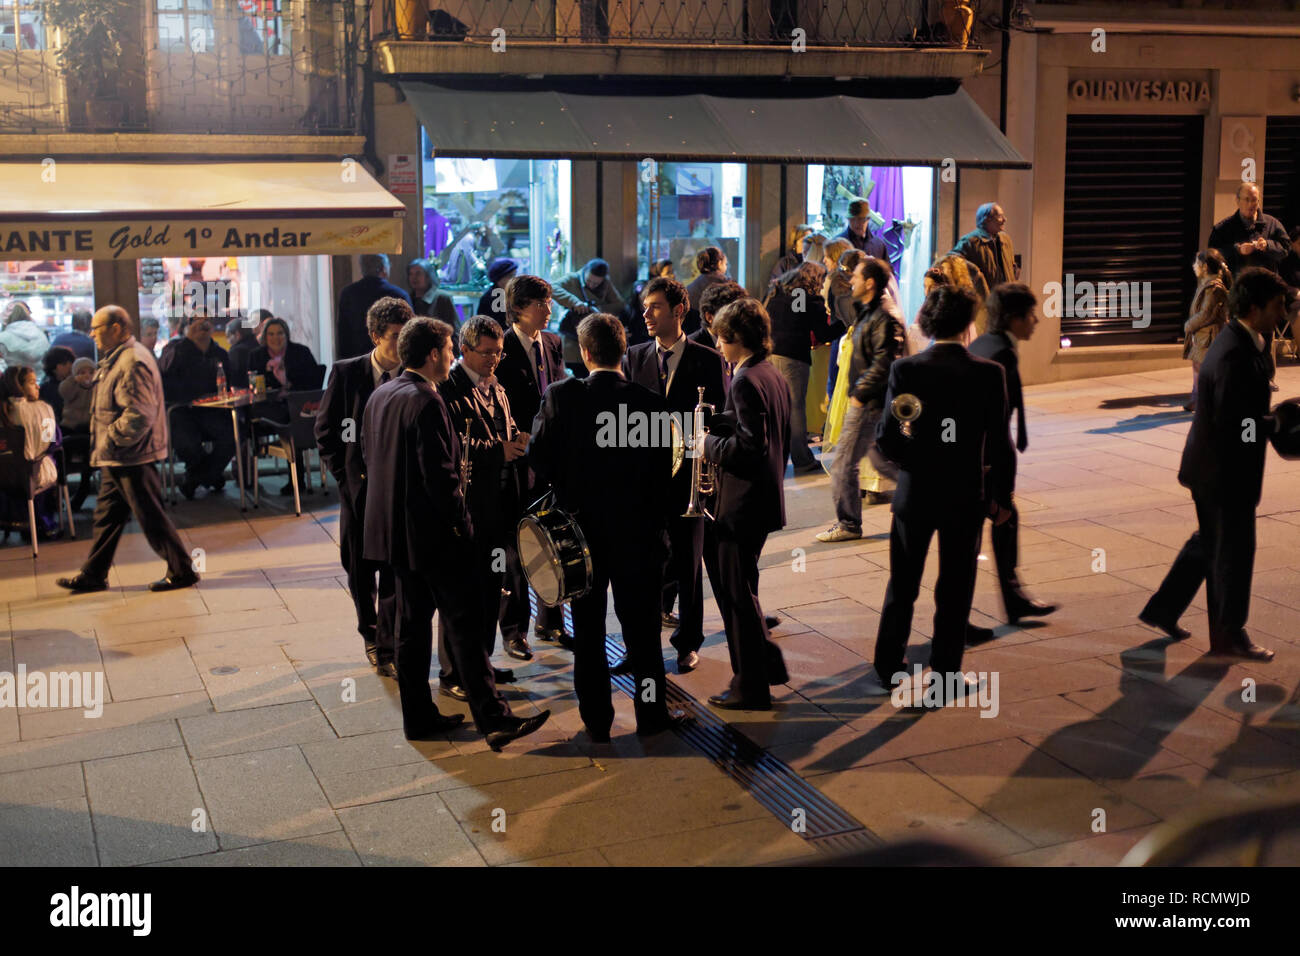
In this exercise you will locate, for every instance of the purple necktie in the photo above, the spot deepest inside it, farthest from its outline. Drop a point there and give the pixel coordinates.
(541, 368)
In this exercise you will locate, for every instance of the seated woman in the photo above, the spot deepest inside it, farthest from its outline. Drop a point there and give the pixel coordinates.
(286, 365)
(58, 367)
(21, 406)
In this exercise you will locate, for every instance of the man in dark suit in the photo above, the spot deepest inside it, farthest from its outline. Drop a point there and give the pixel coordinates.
(532, 359)
(479, 407)
(675, 368)
(613, 486)
(954, 469)
(416, 523)
(748, 444)
(710, 304)
(351, 335)
(1223, 465)
(189, 370)
(1012, 318)
(338, 436)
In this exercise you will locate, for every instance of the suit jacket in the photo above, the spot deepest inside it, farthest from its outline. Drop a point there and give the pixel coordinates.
(750, 447)
(350, 336)
(998, 347)
(616, 491)
(415, 515)
(959, 455)
(695, 291)
(1232, 389)
(698, 365)
(351, 383)
(300, 367)
(488, 501)
(515, 373)
(1228, 233)
(702, 336)
(188, 374)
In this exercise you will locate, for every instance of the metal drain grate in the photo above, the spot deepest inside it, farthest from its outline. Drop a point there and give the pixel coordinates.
(827, 826)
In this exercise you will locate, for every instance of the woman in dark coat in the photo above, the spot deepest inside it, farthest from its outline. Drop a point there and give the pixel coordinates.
(285, 363)
(799, 316)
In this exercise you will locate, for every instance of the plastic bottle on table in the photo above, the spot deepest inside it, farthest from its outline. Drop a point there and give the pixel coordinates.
(221, 380)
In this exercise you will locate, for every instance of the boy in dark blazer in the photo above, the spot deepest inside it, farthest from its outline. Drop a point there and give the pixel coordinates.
(675, 368)
(532, 359)
(954, 469)
(748, 443)
(1223, 465)
(338, 437)
(417, 523)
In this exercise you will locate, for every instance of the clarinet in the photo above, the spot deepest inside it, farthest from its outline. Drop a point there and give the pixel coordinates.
(466, 466)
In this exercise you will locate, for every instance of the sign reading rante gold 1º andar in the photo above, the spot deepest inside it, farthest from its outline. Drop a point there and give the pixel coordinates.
(297, 235)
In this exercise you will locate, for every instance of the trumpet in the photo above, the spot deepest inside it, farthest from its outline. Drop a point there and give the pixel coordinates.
(907, 409)
(703, 478)
(466, 466)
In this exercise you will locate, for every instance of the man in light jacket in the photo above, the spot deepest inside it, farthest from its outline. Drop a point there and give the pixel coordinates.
(128, 434)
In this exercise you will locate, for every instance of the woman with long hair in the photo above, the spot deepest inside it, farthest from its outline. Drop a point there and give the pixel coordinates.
(21, 407)
(1209, 311)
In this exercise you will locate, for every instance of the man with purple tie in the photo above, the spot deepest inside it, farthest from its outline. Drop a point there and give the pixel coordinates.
(532, 359)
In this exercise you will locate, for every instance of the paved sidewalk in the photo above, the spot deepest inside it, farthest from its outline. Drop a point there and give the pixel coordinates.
(242, 725)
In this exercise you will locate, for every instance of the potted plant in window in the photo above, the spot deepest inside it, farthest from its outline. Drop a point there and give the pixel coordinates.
(91, 36)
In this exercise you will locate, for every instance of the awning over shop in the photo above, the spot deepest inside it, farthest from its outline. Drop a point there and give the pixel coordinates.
(902, 131)
(71, 210)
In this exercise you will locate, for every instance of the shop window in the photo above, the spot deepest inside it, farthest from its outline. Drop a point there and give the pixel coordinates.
(476, 210)
(684, 207)
(262, 28)
(902, 213)
(50, 291)
(293, 288)
(185, 25)
(21, 25)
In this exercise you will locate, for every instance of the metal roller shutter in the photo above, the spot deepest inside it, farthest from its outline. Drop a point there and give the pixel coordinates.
(1281, 182)
(1132, 210)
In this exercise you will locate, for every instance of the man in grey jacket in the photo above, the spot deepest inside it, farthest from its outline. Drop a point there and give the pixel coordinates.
(128, 434)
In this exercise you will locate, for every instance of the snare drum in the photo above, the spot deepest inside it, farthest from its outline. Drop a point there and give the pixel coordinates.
(554, 556)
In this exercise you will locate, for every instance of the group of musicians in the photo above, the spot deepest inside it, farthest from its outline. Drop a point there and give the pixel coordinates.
(438, 459)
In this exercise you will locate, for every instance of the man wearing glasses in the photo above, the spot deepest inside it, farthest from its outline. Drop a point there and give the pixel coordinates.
(532, 359)
(480, 409)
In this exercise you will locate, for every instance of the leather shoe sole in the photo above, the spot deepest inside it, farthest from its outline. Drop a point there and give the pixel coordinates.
(503, 675)
(441, 724)
(1171, 628)
(454, 691)
(687, 662)
(1029, 609)
(1252, 652)
(497, 739)
(518, 649)
(82, 584)
(170, 583)
(726, 701)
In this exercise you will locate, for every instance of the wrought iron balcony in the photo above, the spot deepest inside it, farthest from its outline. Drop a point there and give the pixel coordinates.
(812, 23)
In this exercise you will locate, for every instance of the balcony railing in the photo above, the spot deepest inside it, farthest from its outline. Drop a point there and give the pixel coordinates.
(787, 23)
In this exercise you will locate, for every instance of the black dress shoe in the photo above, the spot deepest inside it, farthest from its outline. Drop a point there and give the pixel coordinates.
(1170, 628)
(1248, 652)
(82, 584)
(454, 691)
(624, 666)
(1026, 607)
(598, 738)
(517, 647)
(771, 620)
(386, 669)
(729, 701)
(978, 635)
(216, 487)
(372, 653)
(503, 675)
(174, 582)
(436, 730)
(551, 635)
(688, 662)
(675, 720)
(669, 619)
(515, 728)
(188, 488)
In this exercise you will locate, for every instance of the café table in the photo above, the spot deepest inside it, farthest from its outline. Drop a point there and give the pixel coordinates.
(238, 400)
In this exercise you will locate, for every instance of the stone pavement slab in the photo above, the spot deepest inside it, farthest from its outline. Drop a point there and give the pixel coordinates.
(263, 797)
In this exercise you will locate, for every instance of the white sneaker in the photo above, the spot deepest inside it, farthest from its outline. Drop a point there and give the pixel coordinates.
(838, 532)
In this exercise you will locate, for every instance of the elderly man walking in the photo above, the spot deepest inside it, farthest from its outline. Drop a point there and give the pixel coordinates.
(989, 246)
(128, 434)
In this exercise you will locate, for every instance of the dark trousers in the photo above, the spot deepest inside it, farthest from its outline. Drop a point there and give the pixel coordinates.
(1006, 555)
(633, 573)
(959, 547)
(454, 591)
(376, 607)
(489, 544)
(1221, 552)
(190, 428)
(756, 661)
(123, 492)
(685, 553)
